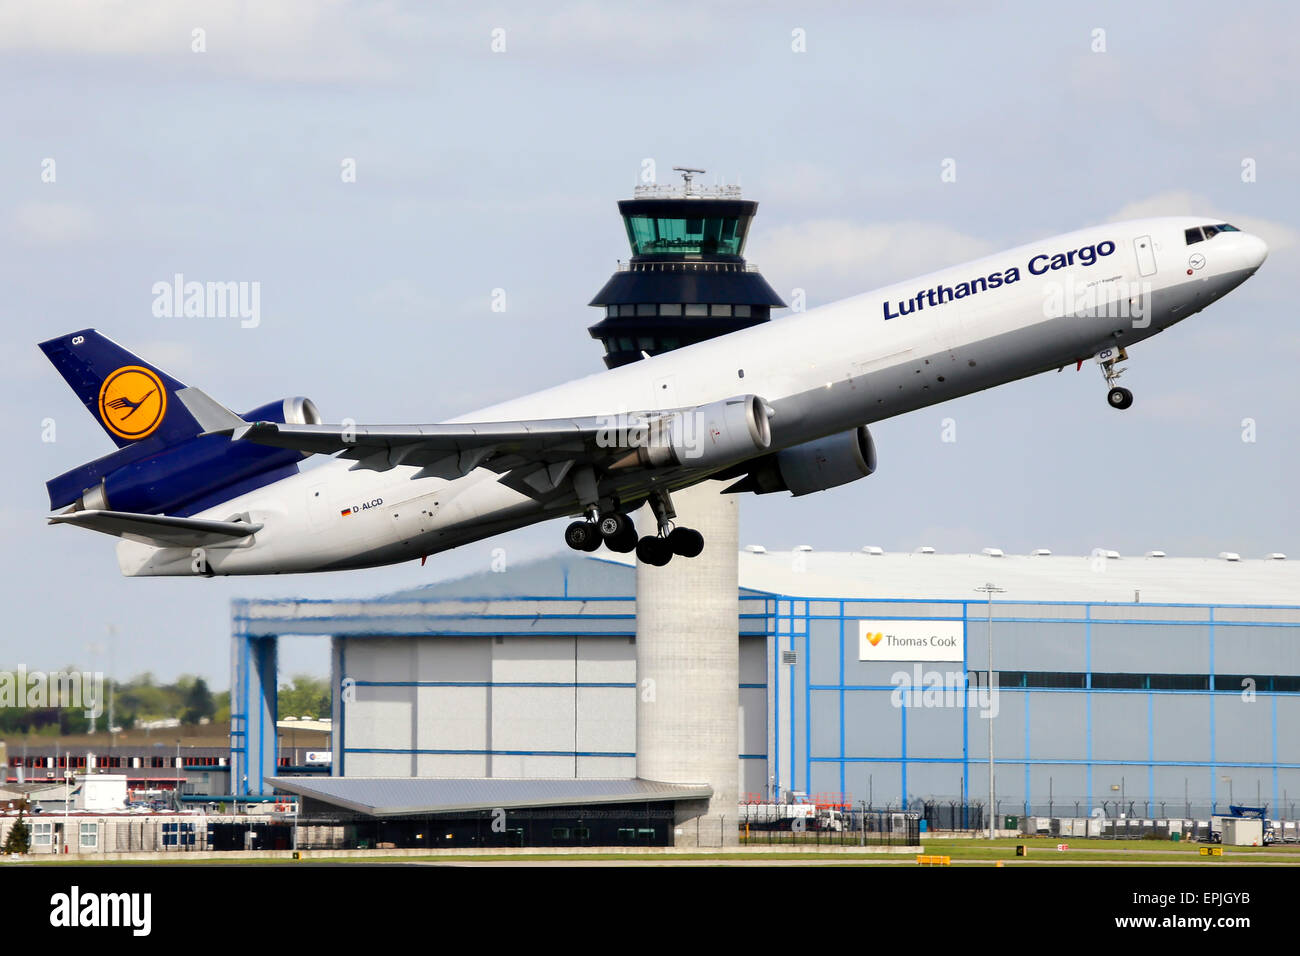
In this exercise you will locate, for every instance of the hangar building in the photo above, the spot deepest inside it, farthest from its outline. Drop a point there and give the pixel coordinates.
(1151, 685)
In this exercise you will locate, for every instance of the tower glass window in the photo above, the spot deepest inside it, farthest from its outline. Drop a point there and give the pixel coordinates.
(707, 236)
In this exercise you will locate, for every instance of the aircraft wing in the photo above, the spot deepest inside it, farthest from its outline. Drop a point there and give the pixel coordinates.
(534, 456)
(161, 531)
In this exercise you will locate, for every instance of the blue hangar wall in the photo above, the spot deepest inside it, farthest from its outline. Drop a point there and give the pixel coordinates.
(1164, 709)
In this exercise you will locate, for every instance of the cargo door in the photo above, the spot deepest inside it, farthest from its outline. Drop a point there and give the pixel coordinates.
(1146, 255)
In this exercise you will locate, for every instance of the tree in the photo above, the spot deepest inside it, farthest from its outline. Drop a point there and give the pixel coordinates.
(307, 696)
(19, 839)
(198, 702)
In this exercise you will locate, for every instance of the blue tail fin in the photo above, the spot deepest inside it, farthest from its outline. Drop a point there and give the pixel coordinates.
(131, 399)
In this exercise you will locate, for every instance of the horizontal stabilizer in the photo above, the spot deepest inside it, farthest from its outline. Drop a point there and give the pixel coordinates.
(161, 531)
(211, 415)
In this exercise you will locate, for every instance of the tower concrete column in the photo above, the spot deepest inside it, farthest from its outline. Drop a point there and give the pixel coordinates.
(688, 667)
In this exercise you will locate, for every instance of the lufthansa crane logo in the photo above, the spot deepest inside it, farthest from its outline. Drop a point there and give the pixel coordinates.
(132, 402)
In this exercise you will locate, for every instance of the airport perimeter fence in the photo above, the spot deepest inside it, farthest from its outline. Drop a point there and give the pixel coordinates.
(844, 828)
(949, 815)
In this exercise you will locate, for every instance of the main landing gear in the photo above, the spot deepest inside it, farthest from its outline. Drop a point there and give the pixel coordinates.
(613, 528)
(1108, 358)
(618, 533)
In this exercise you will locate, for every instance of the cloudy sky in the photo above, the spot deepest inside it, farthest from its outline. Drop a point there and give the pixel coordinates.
(480, 169)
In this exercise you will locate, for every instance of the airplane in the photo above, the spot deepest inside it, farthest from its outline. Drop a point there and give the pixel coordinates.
(195, 489)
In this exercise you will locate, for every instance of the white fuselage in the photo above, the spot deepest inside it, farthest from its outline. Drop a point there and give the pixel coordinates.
(860, 360)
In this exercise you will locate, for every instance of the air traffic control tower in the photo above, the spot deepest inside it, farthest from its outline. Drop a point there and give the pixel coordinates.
(687, 281)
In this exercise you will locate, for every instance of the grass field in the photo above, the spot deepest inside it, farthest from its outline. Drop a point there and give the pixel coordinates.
(962, 852)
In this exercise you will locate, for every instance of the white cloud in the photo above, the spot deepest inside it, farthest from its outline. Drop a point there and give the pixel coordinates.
(834, 257)
(1177, 203)
(303, 40)
(54, 222)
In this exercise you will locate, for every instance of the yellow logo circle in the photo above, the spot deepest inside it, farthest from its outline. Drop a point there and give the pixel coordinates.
(132, 402)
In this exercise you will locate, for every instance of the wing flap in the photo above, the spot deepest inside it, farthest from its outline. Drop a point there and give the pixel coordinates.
(161, 531)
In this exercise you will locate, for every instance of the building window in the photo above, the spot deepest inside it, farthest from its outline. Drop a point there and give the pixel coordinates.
(89, 836)
(723, 311)
(42, 834)
(1119, 681)
(1179, 682)
(697, 310)
(627, 310)
(559, 833)
(645, 309)
(673, 308)
(742, 311)
(611, 311)
(178, 834)
(1052, 679)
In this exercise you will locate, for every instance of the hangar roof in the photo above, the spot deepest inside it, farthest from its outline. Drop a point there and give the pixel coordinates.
(597, 594)
(1055, 578)
(409, 796)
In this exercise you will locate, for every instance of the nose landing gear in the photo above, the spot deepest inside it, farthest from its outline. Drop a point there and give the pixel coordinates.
(1108, 358)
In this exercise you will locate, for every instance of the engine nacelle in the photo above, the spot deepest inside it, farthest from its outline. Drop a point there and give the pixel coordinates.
(708, 436)
(815, 466)
(192, 475)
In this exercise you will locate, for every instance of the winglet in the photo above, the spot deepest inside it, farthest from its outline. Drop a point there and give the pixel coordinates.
(213, 417)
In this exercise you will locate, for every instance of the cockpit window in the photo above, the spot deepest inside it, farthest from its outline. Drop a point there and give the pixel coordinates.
(1197, 233)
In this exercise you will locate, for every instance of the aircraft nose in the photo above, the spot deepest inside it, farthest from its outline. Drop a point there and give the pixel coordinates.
(1254, 250)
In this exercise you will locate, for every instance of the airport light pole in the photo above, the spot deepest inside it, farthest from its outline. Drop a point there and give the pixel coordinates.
(990, 590)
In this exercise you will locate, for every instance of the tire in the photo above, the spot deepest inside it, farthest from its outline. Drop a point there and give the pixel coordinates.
(614, 525)
(654, 551)
(623, 543)
(580, 534)
(686, 541)
(1120, 397)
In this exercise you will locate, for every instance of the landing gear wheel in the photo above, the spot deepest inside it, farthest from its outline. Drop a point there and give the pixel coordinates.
(686, 541)
(614, 525)
(582, 536)
(623, 542)
(1119, 397)
(654, 551)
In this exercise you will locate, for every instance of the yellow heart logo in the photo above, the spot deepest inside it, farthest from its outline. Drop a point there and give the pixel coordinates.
(874, 639)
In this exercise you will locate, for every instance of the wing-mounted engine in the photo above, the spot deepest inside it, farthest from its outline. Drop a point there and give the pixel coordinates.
(705, 437)
(814, 466)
